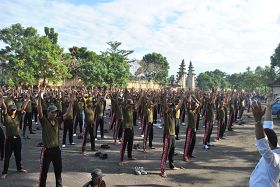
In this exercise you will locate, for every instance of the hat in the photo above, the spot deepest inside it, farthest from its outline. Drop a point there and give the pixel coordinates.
(52, 108)
(12, 107)
(96, 174)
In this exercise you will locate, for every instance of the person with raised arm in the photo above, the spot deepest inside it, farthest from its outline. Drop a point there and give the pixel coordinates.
(267, 171)
(50, 151)
(13, 141)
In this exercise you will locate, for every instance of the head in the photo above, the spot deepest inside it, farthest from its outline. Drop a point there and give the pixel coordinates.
(52, 112)
(97, 178)
(272, 137)
(89, 103)
(12, 109)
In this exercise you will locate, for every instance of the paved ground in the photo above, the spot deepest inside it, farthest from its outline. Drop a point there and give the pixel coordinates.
(229, 163)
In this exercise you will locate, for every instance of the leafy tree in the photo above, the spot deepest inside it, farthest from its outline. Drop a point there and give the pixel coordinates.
(154, 66)
(212, 79)
(31, 57)
(275, 64)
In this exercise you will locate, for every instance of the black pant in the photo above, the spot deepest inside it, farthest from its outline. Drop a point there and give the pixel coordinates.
(183, 114)
(127, 139)
(35, 114)
(2, 142)
(68, 126)
(47, 156)
(99, 121)
(155, 115)
(12, 145)
(79, 119)
(89, 129)
(27, 121)
(135, 118)
(177, 127)
(149, 132)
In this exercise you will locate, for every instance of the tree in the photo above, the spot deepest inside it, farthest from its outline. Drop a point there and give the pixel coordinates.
(155, 67)
(117, 64)
(275, 64)
(31, 57)
(212, 79)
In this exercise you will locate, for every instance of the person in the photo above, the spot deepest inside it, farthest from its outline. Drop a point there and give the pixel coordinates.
(50, 151)
(68, 121)
(267, 171)
(13, 141)
(127, 130)
(96, 179)
(89, 126)
(149, 131)
(192, 107)
(169, 112)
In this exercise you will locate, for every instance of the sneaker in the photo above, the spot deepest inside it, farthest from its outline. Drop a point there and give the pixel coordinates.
(131, 158)
(210, 144)
(183, 124)
(142, 135)
(142, 170)
(63, 146)
(206, 147)
(72, 143)
(137, 171)
(163, 175)
(22, 171)
(74, 134)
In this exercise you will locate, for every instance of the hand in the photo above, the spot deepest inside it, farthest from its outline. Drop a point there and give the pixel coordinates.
(258, 112)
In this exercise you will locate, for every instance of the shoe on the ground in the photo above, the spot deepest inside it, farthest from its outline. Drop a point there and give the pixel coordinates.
(174, 168)
(210, 144)
(152, 147)
(143, 171)
(22, 171)
(94, 149)
(192, 156)
(103, 156)
(63, 146)
(163, 175)
(74, 134)
(177, 138)
(32, 132)
(206, 147)
(72, 143)
(137, 171)
(131, 158)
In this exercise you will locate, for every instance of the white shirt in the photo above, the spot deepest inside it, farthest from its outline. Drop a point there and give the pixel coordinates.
(267, 171)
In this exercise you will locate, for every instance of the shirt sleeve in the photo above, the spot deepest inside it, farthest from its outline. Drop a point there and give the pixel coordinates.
(268, 155)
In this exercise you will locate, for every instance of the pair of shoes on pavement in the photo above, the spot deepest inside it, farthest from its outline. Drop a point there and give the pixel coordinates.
(140, 171)
(63, 146)
(102, 156)
(105, 146)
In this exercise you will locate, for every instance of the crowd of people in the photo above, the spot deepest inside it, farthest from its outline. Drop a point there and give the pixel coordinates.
(71, 108)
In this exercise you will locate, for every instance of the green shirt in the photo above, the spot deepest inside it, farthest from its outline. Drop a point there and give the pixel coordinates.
(12, 125)
(128, 118)
(191, 118)
(50, 133)
(89, 116)
(169, 123)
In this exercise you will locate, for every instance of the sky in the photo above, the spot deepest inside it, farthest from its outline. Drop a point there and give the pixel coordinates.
(228, 35)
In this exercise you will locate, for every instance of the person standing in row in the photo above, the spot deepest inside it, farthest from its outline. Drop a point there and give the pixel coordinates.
(149, 131)
(169, 112)
(100, 111)
(13, 141)
(89, 126)
(50, 151)
(192, 107)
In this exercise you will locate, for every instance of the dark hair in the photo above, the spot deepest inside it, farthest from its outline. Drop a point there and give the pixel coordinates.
(271, 136)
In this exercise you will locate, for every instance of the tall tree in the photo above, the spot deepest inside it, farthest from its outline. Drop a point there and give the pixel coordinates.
(155, 67)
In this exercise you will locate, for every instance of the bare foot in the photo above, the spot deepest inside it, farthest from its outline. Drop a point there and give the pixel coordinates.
(175, 168)
(3, 176)
(120, 163)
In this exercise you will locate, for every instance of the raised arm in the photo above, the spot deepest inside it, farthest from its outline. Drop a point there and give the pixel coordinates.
(39, 105)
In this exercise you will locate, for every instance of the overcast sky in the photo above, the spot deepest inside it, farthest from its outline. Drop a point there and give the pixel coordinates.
(229, 35)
